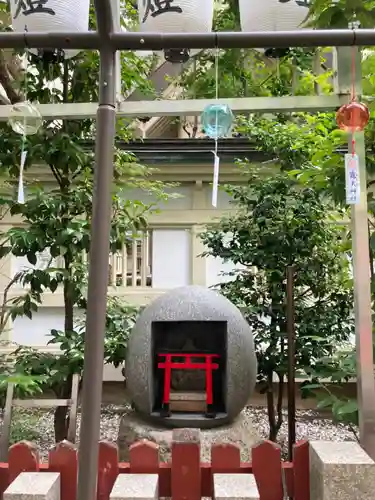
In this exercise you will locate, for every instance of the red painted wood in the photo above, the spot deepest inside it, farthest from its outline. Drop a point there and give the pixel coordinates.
(186, 468)
(144, 457)
(266, 460)
(288, 469)
(4, 478)
(187, 479)
(165, 475)
(168, 364)
(301, 471)
(63, 459)
(206, 480)
(108, 469)
(22, 457)
(225, 458)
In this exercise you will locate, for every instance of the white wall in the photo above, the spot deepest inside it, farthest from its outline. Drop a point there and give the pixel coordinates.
(35, 332)
(223, 199)
(215, 267)
(21, 263)
(183, 202)
(171, 262)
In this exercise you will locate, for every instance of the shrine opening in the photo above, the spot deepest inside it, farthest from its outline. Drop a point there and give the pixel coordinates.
(189, 367)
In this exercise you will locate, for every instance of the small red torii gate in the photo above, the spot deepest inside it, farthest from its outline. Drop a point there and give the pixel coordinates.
(206, 364)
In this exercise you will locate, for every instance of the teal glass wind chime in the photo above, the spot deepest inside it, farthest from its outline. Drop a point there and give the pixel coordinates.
(217, 122)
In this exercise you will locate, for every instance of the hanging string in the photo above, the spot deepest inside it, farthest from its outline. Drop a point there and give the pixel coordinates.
(353, 96)
(353, 25)
(21, 192)
(215, 183)
(216, 96)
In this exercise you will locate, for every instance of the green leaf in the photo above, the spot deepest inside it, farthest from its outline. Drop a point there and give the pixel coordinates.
(32, 258)
(347, 408)
(53, 285)
(325, 403)
(312, 386)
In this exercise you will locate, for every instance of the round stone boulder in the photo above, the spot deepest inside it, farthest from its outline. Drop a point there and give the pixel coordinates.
(185, 307)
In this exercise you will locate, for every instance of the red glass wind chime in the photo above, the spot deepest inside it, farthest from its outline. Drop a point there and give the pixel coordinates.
(353, 117)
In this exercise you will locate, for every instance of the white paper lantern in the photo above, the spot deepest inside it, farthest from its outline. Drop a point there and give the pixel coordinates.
(273, 15)
(50, 16)
(176, 16)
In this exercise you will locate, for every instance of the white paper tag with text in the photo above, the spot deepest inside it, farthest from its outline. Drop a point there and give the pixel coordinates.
(21, 193)
(352, 182)
(215, 183)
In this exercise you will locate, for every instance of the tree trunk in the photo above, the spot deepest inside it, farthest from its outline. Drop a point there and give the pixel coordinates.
(275, 415)
(61, 418)
(60, 423)
(271, 409)
(68, 302)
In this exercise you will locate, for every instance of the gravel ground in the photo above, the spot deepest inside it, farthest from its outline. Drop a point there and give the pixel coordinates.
(37, 426)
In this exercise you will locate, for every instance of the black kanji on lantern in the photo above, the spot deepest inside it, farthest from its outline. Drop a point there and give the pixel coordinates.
(158, 7)
(28, 7)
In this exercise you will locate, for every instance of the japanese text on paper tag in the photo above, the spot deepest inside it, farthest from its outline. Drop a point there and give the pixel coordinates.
(353, 190)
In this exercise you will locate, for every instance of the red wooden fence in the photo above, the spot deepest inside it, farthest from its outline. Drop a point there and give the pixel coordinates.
(144, 458)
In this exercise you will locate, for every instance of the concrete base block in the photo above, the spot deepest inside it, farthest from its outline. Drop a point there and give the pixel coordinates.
(136, 487)
(34, 486)
(235, 487)
(340, 471)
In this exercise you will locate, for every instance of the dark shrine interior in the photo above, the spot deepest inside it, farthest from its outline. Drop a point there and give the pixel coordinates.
(189, 337)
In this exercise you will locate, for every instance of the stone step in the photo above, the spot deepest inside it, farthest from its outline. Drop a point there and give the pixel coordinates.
(189, 402)
(187, 396)
(135, 487)
(235, 487)
(34, 486)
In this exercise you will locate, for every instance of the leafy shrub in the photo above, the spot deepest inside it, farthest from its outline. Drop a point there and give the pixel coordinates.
(57, 368)
(327, 383)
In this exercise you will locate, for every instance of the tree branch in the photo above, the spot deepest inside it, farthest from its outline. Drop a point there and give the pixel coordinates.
(56, 174)
(5, 314)
(6, 81)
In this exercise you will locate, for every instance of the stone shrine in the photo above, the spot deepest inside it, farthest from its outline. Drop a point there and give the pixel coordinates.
(190, 360)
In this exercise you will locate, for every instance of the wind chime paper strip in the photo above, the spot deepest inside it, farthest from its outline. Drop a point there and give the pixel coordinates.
(21, 193)
(352, 181)
(215, 183)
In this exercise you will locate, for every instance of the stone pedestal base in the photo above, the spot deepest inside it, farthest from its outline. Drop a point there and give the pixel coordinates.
(340, 471)
(241, 432)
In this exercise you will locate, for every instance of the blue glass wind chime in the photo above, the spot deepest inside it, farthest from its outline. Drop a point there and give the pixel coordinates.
(217, 122)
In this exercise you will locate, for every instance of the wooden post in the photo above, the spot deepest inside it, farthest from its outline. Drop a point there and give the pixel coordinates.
(291, 361)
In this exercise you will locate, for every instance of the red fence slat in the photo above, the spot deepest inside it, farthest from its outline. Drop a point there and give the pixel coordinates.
(186, 469)
(225, 457)
(22, 457)
(144, 457)
(301, 471)
(266, 460)
(63, 458)
(4, 479)
(108, 469)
